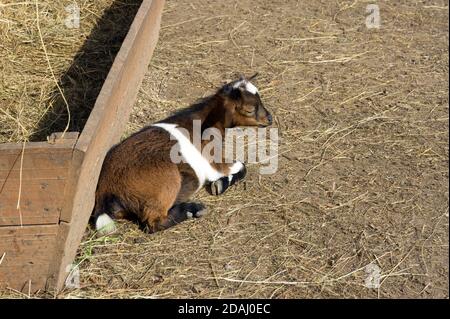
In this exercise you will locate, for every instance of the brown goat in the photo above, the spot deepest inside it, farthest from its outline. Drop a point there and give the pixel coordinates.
(139, 179)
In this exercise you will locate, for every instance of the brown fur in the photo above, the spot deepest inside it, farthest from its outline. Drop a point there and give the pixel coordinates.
(138, 178)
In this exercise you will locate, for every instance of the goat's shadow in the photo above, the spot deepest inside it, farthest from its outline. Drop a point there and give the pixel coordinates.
(83, 80)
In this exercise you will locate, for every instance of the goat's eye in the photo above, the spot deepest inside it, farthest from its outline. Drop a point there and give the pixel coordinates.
(248, 110)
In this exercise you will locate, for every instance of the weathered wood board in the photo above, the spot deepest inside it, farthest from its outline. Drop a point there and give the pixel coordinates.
(25, 254)
(57, 180)
(32, 184)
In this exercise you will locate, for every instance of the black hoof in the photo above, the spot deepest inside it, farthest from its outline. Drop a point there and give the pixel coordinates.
(222, 184)
(193, 210)
(240, 175)
(218, 187)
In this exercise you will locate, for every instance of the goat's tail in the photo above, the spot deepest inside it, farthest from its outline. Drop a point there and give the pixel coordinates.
(106, 207)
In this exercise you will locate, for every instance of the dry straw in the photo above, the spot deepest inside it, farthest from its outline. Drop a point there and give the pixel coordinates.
(44, 85)
(51, 69)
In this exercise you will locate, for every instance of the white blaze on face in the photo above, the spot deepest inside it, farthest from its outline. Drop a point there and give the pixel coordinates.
(192, 156)
(249, 87)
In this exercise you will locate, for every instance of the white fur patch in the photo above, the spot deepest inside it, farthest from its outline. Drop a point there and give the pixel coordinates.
(192, 156)
(104, 224)
(236, 167)
(249, 87)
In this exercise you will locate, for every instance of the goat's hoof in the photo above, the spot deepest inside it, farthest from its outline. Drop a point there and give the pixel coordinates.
(195, 210)
(241, 174)
(217, 187)
(197, 214)
(201, 213)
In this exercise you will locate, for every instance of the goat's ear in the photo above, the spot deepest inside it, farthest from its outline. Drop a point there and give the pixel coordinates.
(235, 94)
(227, 89)
(253, 76)
(230, 91)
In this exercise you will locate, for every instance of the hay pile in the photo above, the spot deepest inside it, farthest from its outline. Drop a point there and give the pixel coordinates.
(31, 104)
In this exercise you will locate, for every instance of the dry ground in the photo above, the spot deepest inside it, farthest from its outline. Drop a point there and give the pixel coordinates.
(363, 166)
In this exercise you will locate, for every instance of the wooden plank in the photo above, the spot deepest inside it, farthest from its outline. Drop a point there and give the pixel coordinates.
(41, 202)
(26, 253)
(34, 174)
(32, 215)
(45, 157)
(103, 128)
(53, 154)
(58, 140)
(34, 185)
(41, 180)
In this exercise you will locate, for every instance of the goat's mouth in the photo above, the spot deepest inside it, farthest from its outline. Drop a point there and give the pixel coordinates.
(265, 123)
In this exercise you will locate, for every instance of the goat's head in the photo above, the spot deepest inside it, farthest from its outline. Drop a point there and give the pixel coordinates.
(242, 100)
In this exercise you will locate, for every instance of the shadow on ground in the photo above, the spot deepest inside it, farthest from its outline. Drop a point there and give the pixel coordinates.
(82, 82)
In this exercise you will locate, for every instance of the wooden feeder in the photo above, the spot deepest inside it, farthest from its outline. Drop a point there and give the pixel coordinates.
(57, 178)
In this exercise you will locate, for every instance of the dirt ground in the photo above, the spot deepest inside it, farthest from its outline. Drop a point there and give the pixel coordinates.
(362, 175)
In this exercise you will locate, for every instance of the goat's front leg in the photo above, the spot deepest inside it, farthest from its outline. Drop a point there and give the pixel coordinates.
(237, 172)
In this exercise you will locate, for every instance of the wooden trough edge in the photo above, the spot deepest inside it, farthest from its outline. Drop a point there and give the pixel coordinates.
(104, 127)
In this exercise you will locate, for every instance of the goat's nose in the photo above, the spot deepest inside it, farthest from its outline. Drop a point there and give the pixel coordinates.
(269, 118)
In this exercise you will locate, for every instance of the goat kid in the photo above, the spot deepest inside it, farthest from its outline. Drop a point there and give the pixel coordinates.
(139, 180)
